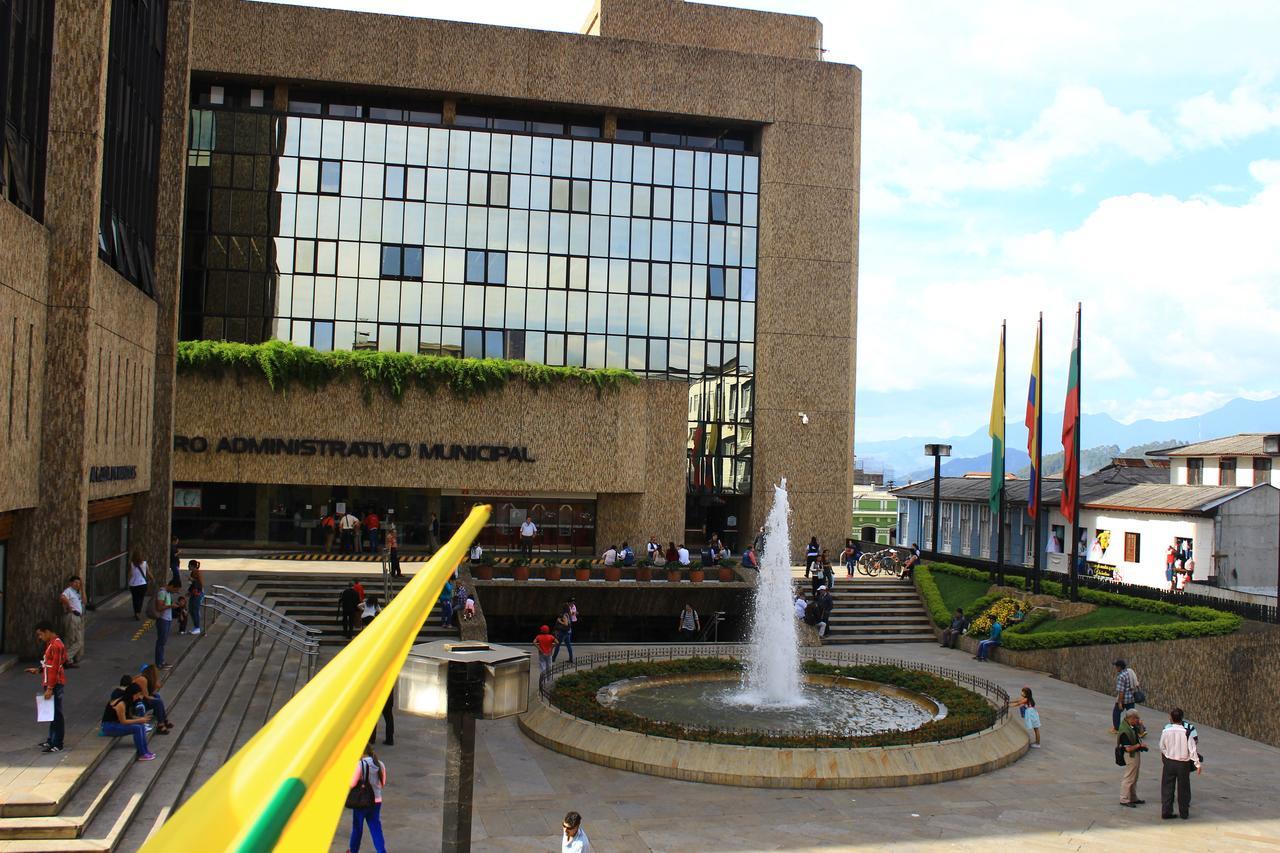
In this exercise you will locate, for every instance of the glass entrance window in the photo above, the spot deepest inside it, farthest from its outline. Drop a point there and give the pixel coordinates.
(108, 559)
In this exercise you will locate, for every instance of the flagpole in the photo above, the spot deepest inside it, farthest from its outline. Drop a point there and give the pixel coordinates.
(1000, 513)
(1073, 569)
(1038, 546)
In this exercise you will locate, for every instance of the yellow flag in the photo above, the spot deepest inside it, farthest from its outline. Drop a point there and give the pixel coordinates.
(285, 789)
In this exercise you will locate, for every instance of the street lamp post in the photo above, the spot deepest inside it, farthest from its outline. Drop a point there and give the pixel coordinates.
(937, 451)
(458, 682)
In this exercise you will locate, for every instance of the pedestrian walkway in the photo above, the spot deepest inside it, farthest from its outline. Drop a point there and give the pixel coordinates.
(1062, 797)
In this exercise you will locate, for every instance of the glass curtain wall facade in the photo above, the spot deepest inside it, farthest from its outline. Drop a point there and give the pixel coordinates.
(350, 226)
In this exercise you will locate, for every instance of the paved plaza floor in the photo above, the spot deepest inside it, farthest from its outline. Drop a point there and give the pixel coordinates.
(1062, 797)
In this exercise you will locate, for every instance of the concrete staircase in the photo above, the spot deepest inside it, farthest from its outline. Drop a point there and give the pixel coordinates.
(312, 599)
(877, 610)
(219, 694)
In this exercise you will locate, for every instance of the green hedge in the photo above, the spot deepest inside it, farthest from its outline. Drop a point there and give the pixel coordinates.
(1196, 621)
(967, 712)
(281, 364)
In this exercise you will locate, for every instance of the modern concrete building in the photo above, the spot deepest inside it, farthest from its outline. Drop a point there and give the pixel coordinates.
(673, 191)
(91, 166)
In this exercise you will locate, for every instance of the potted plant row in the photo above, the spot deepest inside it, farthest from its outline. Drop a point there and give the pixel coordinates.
(483, 570)
(725, 566)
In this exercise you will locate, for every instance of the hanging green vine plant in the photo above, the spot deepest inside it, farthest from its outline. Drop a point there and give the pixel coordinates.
(282, 363)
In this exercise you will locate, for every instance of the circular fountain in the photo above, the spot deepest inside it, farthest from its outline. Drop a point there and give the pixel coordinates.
(769, 714)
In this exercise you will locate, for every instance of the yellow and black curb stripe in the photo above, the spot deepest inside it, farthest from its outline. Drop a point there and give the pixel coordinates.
(143, 628)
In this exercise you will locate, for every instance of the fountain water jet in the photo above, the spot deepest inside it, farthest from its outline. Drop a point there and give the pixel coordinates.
(772, 673)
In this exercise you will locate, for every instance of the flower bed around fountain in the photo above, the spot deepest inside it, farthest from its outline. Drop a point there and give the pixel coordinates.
(965, 711)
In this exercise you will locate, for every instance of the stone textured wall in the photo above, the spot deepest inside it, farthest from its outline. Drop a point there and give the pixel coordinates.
(1227, 682)
(698, 25)
(626, 445)
(24, 268)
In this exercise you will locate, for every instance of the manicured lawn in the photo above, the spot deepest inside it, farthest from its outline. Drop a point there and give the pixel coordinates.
(957, 591)
(1105, 617)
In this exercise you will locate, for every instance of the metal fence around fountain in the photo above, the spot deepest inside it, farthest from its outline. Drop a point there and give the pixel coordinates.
(994, 693)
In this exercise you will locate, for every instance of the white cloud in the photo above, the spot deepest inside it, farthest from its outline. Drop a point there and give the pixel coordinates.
(1207, 121)
(928, 163)
(1165, 406)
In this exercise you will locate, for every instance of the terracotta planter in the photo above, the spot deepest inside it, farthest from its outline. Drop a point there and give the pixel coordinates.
(696, 575)
(725, 574)
(482, 572)
(521, 573)
(551, 573)
(673, 575)
(613, 573)
(644, 574)
(582, 575)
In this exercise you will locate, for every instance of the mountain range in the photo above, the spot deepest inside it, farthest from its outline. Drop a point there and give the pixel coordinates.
(903, 461)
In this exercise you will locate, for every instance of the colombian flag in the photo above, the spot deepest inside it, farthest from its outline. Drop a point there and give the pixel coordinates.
(1071, 433)
(996, 431)
(1035, 401)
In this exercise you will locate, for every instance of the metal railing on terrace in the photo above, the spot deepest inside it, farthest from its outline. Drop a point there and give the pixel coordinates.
(263, 622)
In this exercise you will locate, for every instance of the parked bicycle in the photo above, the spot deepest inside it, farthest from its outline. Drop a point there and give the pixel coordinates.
(885, 561)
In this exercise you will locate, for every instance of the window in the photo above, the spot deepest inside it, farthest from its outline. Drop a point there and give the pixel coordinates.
(330, 177)
(26, 28)
(1227, 471)
(402, 262)
(1261, 470)
(1132, 548)
(715, 282)
(944, 532)
(486, 267)
(1195, 471)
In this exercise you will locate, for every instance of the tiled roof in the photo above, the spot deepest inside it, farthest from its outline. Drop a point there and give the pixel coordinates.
(1153, 497)
(1244, 444)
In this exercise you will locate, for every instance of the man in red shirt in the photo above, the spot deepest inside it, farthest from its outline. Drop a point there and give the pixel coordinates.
(546, 643)
(373, 528)
(54, 678)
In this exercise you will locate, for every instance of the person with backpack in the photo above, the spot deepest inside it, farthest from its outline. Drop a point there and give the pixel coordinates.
(1128, 692)
(563, 633)
(1179, 753)
(365, 800)
(1129, 749)
(811, 553)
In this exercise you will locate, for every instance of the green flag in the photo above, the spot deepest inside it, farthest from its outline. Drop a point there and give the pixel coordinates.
(996, 431)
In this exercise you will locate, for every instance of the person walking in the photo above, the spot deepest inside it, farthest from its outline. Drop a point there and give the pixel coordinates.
(118, 722)
(545, 643)
(1179, 754)
(73, 620)
(1026, 705)
(528, 530)
(175, 561)
(828, 571)
(371, 773)
(139, 580)
(348, 602)
(164, 618)
(195, 595)
(369, 610)
(446, 604)
(575, 837)
(688, 624)
(53, 678)
(1129, 749)
(388, 720)
(393, 549)
(563, 634)
(1126, 688)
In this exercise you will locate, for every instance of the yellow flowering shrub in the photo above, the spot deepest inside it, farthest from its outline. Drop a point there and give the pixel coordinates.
(1002, 610)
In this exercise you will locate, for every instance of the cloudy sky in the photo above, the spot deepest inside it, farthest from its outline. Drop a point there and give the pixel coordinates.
(1019, 157)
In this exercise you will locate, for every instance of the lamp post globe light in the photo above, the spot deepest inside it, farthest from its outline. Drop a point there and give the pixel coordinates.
(937, 451)
(458, 682)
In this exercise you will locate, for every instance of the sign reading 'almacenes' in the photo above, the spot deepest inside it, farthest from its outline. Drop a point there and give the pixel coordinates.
(352, 449)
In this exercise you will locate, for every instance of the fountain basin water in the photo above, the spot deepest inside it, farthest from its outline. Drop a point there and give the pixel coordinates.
(823, 705)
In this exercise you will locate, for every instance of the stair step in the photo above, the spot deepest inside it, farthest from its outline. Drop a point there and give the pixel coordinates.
(839, 639)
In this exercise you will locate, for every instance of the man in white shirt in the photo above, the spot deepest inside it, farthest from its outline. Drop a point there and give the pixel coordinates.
(347, 525)
(610, 555)
(574, 839)
(73, 620)
(527, 531)
(683, 555)
(1179, 753)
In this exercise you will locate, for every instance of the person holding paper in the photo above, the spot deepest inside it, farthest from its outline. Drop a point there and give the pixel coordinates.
(54, 678)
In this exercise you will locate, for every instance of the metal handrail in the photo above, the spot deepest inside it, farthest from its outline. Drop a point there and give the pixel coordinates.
(994, 693)
(265, 611)
(300, 638)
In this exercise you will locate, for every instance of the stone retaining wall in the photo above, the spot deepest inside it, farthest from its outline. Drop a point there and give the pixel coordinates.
(1229, 682)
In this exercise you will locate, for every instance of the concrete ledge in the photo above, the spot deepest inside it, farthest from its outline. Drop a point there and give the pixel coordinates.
(769, 767)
